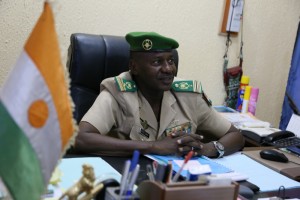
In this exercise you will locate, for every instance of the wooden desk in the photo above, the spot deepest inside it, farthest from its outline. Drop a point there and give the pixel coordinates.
(290, 169)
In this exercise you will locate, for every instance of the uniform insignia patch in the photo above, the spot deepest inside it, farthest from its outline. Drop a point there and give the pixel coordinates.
(125, 85)
(190, 86)
(187, 86)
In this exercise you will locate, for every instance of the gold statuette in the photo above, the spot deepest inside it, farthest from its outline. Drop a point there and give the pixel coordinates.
(84, 186)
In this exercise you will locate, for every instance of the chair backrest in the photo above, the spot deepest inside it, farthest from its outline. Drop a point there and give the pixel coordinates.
(92, 58)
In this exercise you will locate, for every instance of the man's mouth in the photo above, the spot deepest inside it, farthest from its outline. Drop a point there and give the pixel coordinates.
(166, 79)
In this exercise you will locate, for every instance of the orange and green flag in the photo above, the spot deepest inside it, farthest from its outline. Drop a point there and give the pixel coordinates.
(35, 114)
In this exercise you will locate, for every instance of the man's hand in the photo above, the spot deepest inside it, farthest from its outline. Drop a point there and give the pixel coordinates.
(188, 142)
(166, 146)
(180, 143)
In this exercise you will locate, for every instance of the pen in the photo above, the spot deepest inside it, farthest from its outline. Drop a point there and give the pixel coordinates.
(132, 180)
(133, 164)
(150, 172)
(134, 161)
(187, 158)
(124, 177)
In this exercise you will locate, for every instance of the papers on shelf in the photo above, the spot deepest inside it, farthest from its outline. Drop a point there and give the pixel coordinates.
(247, 122)
(243, 120)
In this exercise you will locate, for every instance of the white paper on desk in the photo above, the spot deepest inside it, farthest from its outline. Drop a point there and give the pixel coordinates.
(294, 125)
(265, 178)
(189, 164)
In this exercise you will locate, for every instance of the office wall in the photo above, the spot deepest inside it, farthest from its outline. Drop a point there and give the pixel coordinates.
(269, 34)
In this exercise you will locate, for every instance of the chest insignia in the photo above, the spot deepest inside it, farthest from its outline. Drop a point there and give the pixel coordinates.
(186, 127)
(144, 123)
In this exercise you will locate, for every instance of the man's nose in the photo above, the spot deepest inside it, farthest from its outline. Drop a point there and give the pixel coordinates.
(167, 67)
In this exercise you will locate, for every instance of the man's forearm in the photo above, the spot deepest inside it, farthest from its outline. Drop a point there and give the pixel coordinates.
(232, 142)
(105, 145)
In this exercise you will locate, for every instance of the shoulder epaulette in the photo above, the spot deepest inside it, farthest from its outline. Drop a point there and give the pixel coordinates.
(125, 85)
(187, 86)
(190, 86)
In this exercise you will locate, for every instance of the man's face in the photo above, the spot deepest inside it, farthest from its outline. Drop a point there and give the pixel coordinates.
(153, 70)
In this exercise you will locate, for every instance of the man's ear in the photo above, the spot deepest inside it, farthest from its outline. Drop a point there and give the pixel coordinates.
(132, 67)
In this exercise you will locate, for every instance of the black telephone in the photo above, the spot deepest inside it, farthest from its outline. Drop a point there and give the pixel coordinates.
(282, 139)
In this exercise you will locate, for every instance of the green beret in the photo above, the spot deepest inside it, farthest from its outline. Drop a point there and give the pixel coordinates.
(150, 41)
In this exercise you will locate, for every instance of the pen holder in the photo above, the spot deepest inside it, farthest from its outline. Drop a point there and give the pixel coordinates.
(150, 190)
(112, 193)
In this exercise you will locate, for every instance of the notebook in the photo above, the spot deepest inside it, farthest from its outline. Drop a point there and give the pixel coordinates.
(216, 168)
(294, 149)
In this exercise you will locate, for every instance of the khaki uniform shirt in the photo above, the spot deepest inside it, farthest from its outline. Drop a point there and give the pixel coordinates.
(126, 114)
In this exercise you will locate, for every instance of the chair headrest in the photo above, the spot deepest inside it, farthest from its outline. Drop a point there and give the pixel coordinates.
(93, 58)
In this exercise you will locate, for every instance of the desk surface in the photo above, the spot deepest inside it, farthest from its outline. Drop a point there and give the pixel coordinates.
(118, 162)
(290, 169)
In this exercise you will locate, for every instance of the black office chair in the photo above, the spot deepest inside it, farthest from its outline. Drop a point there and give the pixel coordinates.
(92, 58)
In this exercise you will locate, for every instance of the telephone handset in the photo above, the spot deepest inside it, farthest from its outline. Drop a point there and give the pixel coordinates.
(282, 138)
(278, 135)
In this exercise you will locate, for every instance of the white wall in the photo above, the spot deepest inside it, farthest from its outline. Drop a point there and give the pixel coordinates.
(270, 28)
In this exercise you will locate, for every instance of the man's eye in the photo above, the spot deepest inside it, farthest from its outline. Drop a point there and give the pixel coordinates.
(156, 62)
(171, 61)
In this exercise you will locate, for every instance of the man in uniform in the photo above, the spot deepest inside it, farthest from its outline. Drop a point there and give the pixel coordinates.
(150, 110)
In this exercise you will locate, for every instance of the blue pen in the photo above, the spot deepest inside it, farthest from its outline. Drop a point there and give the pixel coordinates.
(134, 162)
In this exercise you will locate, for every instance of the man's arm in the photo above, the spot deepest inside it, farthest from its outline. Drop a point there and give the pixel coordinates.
(232, 141)
(89, 140)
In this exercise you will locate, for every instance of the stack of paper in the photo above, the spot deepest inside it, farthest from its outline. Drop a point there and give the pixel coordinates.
(216, 168)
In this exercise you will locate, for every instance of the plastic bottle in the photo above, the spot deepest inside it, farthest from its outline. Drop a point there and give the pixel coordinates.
(253, 100)
(244, 82)
(246, 99)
